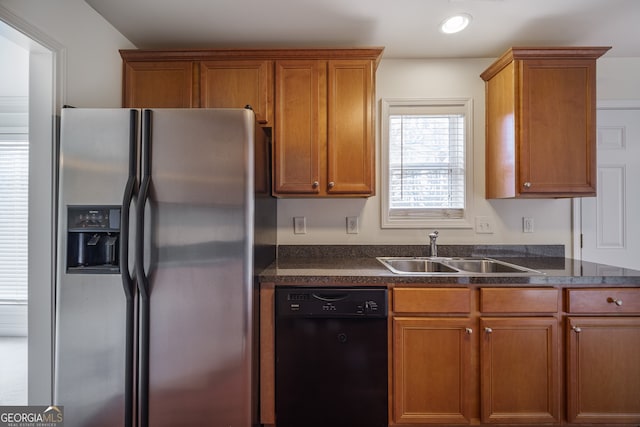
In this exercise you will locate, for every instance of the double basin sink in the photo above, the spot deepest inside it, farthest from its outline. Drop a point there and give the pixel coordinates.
(471, 266)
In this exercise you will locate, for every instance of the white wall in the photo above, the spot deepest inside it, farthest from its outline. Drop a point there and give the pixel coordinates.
(93, 72)
(617, 78)
(14, 81)
(430, 79)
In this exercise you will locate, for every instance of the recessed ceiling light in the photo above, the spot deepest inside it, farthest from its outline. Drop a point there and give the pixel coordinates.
(455, 23)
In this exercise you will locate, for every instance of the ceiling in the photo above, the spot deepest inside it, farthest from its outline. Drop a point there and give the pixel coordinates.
(406, 28)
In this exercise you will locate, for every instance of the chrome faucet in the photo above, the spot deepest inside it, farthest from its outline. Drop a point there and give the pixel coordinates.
(434, 246)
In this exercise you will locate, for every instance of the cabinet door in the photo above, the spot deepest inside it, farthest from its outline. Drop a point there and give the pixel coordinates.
(350, 141)
(235, 84)
(300, 129)
(603, 370)
(431, 370)
(519, 370)
(558, 127)
(158, 84)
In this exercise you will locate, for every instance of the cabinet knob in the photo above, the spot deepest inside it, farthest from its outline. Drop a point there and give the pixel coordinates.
(488, 330)
(527, 184)
(617, 302)
(332, 184)
(468, 331)
(315, 184)
(577, 329)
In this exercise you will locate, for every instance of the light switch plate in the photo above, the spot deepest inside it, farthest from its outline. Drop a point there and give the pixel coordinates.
(352, 225)
(484, 225)
(527, 225)
(299, 225)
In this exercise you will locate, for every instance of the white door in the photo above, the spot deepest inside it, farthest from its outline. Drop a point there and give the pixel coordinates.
(610, 222)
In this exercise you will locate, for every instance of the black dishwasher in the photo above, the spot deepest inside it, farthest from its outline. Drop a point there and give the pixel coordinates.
(331, 357)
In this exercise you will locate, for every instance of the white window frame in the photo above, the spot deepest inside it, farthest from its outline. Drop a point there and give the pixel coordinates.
(446, 105)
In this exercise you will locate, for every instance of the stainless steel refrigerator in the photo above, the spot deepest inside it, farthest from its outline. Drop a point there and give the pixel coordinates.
(164, 220)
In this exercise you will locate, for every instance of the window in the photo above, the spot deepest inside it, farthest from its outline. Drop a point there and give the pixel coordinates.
(427, 173)
(14, 184)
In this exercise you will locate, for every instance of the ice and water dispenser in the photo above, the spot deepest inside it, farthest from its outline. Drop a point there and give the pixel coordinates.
(93, 239)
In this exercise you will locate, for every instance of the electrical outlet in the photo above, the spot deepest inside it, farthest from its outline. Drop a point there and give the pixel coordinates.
(527, 225)
(299, 225)
(484, 225)
(352, 225)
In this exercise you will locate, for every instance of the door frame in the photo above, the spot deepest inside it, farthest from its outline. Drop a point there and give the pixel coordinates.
(47, 70)
(620, 104)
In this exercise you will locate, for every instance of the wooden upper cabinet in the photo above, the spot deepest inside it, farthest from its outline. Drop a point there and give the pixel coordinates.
(236, 84)
(319, 102)
(541, 123)
(158, 84)
(350, 139)
(207, 79)
(324, 137)
(300, 129)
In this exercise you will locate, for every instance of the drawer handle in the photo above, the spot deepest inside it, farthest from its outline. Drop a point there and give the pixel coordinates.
(527, 185)
(468, 331)
(488, 330)
(577, 329)
(332, 184)
(617, 302)
(315, 184)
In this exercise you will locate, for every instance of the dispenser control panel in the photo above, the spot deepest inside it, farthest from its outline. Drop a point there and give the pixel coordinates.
(101, 218)
(93, 239)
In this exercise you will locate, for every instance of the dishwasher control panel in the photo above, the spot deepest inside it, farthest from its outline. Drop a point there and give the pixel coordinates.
(331, 302)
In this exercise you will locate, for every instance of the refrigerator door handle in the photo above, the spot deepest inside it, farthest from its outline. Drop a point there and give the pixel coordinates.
(143, 196)
(143, 281)
(128, 282)
(127, 200)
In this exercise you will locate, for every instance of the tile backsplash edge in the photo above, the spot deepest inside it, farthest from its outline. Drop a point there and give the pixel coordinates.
(366, 251)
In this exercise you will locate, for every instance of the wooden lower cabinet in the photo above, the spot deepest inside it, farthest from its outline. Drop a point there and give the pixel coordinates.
(495, 356)
(431, 370)
(519, 363)
(603, 364)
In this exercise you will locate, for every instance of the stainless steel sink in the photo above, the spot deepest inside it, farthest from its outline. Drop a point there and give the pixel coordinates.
(415, 265)
(486, 265)
(472, 266)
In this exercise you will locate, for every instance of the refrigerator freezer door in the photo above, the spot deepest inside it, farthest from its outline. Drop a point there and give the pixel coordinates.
(200, 221)
(91, 309)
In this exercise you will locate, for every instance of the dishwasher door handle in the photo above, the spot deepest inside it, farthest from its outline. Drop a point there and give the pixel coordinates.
(333, 297)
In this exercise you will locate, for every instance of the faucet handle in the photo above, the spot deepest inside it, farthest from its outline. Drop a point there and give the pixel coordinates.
(434, 246)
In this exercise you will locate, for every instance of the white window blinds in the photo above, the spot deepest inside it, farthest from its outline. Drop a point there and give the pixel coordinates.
(426, 164)
(14, 190)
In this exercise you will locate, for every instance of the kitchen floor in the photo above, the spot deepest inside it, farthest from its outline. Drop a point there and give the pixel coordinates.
(13, 371)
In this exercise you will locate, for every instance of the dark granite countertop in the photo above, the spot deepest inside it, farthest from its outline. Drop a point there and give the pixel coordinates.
(356, 265)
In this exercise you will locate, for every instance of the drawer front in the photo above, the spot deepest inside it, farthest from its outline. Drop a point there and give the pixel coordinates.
(519, 300)
(604, 301)
(411, 300)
